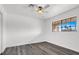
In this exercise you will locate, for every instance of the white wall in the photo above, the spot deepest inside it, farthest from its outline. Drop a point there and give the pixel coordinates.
(66, 39)
(0, 31)
(2, 28)
(21, 30)
(41, 37)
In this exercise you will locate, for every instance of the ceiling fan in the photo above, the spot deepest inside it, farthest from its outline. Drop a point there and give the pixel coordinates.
(39, 8)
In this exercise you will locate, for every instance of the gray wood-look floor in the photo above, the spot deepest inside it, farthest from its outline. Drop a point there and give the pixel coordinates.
(43, 48)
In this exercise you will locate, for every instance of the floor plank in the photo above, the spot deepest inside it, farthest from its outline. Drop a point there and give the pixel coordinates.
(43, 48)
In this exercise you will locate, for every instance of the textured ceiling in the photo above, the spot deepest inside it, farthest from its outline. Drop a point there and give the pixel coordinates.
(23, 9)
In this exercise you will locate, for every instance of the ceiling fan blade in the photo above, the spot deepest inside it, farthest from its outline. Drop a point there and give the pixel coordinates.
(46, 6)
(31, 5)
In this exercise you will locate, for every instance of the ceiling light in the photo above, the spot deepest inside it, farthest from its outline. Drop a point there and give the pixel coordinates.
(39, 9)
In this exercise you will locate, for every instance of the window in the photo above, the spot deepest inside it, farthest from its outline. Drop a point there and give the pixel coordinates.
(64, 25)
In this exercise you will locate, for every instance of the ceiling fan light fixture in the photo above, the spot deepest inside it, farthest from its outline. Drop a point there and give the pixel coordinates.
(40, 12)
(39, 9)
